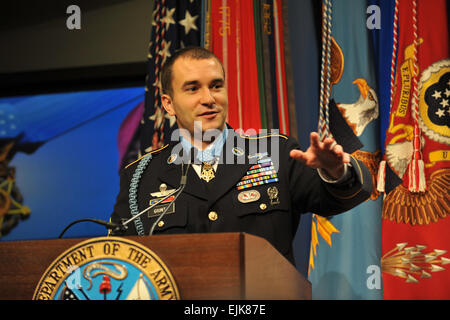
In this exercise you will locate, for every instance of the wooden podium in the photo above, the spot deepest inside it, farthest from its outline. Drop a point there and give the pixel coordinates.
(205, 266)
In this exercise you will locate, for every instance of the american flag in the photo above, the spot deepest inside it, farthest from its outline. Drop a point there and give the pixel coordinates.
(176, 24)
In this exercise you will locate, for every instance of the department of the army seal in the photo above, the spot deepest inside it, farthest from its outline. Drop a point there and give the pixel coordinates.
(107, 268)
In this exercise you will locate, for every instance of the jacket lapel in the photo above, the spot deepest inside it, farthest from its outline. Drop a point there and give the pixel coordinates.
(233, 166)
(170, 174)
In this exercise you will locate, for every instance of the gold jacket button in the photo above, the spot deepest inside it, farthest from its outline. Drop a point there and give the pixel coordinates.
(263, 206)
(161, 224)
(213, 216)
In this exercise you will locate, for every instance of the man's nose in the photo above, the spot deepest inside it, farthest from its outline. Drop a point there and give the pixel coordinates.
(207, 98)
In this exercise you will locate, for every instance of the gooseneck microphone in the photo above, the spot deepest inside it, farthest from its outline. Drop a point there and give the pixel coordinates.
(116, 227)
(122, 226)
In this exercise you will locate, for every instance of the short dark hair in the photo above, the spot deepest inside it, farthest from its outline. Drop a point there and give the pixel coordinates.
(196, 53)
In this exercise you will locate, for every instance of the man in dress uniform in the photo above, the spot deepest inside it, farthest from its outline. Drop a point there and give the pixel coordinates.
(232, 183)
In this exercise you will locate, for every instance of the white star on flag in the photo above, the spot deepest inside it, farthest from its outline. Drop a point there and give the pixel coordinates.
(7, 123)
(188, 22)
(440, 113)
(168, 19)
(436, 94)
(165, 50)
(157, 117)
(158, 84)
(444, 103)
(167, 37)
(172, 119)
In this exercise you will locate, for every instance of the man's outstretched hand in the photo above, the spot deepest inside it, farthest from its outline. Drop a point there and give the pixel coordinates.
(325, 155)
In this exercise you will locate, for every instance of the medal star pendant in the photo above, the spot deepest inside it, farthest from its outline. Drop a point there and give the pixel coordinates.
(207, 172)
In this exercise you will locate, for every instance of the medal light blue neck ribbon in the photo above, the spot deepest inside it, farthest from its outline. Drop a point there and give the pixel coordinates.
(211, 152)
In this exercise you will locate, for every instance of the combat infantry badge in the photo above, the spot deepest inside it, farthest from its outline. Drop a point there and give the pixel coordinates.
(272, 192)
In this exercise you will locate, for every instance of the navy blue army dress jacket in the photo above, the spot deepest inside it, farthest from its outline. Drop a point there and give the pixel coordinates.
(263, 191)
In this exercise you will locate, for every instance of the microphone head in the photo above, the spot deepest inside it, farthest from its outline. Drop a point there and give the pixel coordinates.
(118, 228)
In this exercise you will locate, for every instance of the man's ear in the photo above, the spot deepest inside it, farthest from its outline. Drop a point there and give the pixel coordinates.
(167, 103)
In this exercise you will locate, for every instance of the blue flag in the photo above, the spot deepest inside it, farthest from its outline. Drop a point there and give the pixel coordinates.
(26, 124)
(346, 249)
(36, 119)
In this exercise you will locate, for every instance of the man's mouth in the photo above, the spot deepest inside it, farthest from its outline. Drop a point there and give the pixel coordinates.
(209, 114)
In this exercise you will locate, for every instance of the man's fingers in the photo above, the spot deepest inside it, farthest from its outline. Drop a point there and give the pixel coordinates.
(346, 158)
(298, 155)
(306, 157)
(315, 142)
(328, 143)
(338, 149)
(341, 154)
(323, 154)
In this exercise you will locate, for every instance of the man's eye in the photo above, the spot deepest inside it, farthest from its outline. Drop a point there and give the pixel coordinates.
(192, 89)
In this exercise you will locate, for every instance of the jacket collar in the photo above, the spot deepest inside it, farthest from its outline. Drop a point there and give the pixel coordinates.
(233, 165)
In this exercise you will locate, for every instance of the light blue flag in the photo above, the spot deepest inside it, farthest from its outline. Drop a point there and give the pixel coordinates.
(64, 152)
(346, 249)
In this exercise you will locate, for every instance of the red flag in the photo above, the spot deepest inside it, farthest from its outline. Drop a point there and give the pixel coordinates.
(233, 41)
(416, 238)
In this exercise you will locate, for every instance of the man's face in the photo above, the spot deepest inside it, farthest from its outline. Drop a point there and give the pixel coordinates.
(199, 94)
